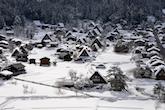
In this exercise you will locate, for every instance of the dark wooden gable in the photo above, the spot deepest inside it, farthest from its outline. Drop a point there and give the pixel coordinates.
(84, 53)
(15, 53)
(96, 78)
(161, 75)
(94, 47)
(46, 38)
(99, 28)
(23, 50)
(97, 42)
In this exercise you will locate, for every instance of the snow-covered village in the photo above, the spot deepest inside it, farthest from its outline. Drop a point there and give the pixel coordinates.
(83, 64)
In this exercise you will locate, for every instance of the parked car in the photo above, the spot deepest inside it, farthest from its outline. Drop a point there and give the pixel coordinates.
(101, 66)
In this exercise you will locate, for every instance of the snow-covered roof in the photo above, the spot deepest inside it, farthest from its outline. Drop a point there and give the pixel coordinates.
(5, 72)
(10, 32)
(153, 52)
(140, 40)
(140, 48)
(155, 57)
(157, 62)
(95, 46)
(153, 61)
(16, 39)
(37, 22)
(60, 25)
(158, 69)
(82, 51)
(153, 48)
(91, 23)
(163, 10)
(4, 42)
(96, 31)
(151, 18)
(99, 28)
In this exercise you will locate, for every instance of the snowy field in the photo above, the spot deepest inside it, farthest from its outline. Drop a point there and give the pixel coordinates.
(13, 95)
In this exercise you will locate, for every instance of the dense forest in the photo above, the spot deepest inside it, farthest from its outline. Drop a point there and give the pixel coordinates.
(53, 11)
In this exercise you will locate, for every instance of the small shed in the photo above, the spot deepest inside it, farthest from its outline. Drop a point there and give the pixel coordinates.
(32, 61)
(45, 61)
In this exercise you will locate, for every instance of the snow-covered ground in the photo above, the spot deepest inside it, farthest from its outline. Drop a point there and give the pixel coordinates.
(20, 95)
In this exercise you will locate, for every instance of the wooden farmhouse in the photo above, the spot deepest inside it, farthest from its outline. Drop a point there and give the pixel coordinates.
(97, 78)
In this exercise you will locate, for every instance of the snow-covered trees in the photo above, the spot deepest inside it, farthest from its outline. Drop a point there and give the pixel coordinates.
(18, 25)
(30, 31)
(73, 75)
(159, 91)
(117, 79)
(53, 11)
(2, 22)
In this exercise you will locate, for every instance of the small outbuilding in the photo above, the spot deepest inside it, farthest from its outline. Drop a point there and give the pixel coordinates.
(45, 61)
(32, 61)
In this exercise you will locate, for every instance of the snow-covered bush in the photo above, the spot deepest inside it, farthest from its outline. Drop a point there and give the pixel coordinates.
(83, 83)
(159, 91)
(73, 75)
(142, 72)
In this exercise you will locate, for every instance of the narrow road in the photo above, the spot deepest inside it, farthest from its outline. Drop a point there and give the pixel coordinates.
(53, 86)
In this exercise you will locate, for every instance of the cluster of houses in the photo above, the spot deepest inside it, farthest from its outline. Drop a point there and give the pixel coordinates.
(148, 56)
(84, 42)
(113, 81)
(146, 52)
